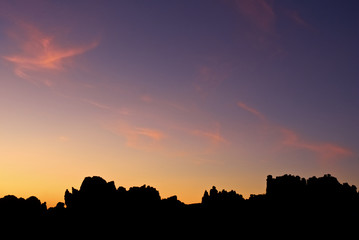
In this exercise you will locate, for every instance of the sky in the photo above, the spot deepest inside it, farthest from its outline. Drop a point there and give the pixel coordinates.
(178, 95)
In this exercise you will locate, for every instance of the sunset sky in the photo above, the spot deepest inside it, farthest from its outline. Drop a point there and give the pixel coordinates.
(178, 95)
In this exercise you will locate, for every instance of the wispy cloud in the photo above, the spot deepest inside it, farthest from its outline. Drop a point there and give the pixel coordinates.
(214, 135)
(251, 110)
(96, 104)
(63, 139)
(163, 103)
(324, 150)
(289, 138)
(262, 15)
(150, 133)
(259, 13)
(146, 98)
(297, 18)
(140, 138)
(209, 77)
(111, 109)
(40, 52)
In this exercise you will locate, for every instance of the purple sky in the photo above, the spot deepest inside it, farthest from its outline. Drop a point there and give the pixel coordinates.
(180, 95)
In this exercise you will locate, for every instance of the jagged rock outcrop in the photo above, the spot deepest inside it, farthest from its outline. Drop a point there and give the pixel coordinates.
(20, 208)
(290, 203)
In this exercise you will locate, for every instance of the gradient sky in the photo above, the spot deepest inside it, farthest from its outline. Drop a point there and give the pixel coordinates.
(179, 95)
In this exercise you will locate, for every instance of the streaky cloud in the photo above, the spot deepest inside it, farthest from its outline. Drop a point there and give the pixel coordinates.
(40, 52)
(251, 110)
(259, 13)
(214, 136)
(209, 77)
(150, 133)
(290, 138)
(324, 150)
(96, 104)
(141, 138)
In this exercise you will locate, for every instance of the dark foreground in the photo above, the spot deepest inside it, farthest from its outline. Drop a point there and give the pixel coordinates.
(291, 207)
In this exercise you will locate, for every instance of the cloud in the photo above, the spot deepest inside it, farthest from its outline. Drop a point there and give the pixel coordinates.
(63, 139)
(138, 137)
(289, 138)
(251, 110)
(209, 77)
(163, 103)
(150, 133)
(96, 104)
(213, 136)
(40, 52)
(259, 13)
(102, 106)
(147, 98)
(296, 18)
(324, 150)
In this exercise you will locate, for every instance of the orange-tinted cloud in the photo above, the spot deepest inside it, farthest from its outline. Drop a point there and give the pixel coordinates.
(214, 136)
(211, 136)
(96, 104)
(258, 12)
(324, 150)
(253, 111)
(40, 52)
(63, 139)
(102, 106)
(150, 133)
(146, 98)
(138, 137)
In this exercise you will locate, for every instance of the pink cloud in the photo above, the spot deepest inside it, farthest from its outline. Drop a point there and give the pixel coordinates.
(258, 12)
(96, 104)
(40, 52)
(214, 136)
(289, 138)
(102, 106)
(140, 138)
(163, 103)
(209, 77)
(324, 150)
(251, 110)
(63, 139)
(206, 73)
(296, 18)
(150, 133)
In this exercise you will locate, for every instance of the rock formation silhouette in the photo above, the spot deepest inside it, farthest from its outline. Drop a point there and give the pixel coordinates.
(291, 205)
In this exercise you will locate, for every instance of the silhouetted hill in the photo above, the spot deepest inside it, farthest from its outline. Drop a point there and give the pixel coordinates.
(290, 204)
